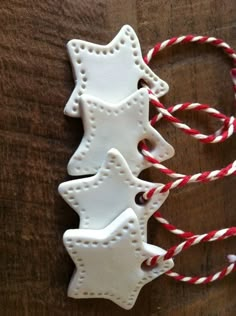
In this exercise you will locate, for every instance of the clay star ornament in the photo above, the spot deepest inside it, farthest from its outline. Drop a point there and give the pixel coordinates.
(109, 72)
(121, 126)
(99, 199)
(108, 261)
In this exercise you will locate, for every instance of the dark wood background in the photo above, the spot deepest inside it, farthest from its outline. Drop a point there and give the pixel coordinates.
(37, 140)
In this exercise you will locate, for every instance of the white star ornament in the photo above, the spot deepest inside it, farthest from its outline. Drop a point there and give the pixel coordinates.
(122, 127)
(99, 199)
(109, 72)
(109, 261)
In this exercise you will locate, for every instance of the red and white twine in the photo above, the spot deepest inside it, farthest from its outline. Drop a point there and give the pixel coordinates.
(192, 241)
(229, 124)
(227, 130)
(206, 176)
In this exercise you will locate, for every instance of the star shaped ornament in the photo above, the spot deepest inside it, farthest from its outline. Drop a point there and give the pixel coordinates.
(100, 199)
(109, 72)
(120, 126)
(109, 261)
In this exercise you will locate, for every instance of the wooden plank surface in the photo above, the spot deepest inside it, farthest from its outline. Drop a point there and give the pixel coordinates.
(36, 141)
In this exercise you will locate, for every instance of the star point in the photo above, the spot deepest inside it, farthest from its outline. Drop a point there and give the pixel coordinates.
(110, 72)
(109, 261)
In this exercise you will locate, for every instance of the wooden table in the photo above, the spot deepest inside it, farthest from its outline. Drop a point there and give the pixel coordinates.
(36, 141)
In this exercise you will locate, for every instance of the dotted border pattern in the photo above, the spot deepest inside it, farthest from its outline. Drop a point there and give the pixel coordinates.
(69, 190)
(135, 242)
(91, 105)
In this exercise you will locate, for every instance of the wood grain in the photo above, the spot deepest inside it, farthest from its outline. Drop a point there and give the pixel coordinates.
(36, 141)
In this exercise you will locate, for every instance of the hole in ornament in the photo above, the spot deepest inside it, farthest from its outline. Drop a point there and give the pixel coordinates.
(142, 83)
(146, 267)
(145, 144)
(139, 199)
